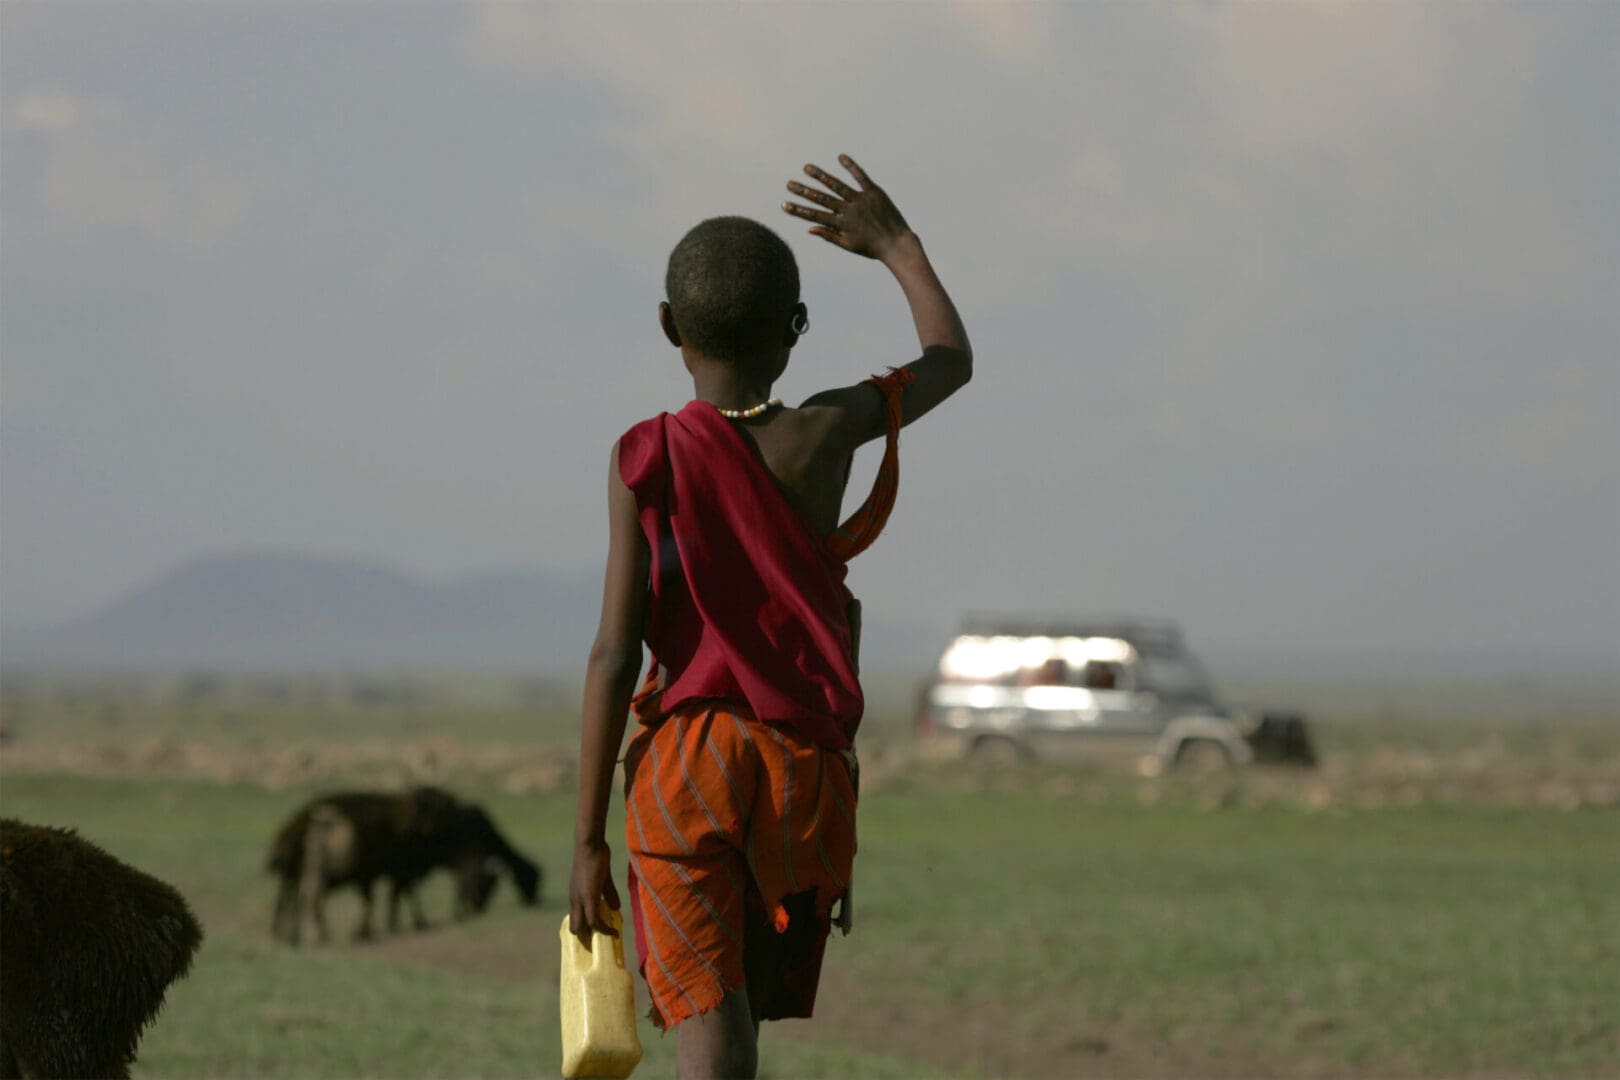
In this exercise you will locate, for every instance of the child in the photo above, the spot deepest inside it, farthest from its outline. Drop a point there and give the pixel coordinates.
(727, 557)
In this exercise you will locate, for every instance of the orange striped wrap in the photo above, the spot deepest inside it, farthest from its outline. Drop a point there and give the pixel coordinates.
(741, 836)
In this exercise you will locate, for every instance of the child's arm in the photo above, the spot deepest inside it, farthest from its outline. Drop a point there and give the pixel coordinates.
(610, 680)
(867, 223)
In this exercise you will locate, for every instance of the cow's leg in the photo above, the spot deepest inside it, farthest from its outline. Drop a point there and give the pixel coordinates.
(364, 932)
(463, 904)
(312, 901)
(394, 888)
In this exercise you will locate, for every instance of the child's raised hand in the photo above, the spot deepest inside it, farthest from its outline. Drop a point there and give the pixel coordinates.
(865, 221)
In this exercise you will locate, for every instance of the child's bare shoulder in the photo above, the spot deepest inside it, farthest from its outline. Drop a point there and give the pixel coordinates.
(844, 417)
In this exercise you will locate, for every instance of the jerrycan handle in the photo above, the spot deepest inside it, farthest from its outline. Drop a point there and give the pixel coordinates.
(599, 956)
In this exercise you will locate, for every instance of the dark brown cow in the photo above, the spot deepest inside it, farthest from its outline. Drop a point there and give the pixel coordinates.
(358, 838)
(90, 947)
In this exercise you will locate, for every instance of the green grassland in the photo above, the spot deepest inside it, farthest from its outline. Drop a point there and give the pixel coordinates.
(477, 999)
(1420, 907)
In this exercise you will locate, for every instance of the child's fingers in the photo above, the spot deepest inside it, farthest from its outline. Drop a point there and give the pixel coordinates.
(820, 217)
(812, 194)
(579, 923)
(835, 185)
(856, 171)
(593, 922)
(600, 924)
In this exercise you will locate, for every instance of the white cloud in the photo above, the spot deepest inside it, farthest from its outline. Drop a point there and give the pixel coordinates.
(712, 108)
(108, 168)
(1013, 28)
(1409, 134)
(1237, 173)
(50, 110)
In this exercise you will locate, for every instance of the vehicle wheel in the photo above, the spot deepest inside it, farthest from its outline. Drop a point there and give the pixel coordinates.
(1202, 756)
(997, 752)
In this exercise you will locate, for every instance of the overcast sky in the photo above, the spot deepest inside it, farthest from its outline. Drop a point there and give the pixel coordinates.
(1297, 323)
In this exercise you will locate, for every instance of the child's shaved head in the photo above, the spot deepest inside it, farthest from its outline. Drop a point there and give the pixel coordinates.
(731, 284)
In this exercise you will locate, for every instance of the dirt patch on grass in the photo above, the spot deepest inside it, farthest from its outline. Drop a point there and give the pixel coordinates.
(521, 953)
(992, 1038)
(989, 1036)
(974, 1037)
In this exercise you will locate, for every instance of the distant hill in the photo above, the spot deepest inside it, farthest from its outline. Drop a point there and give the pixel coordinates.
(273, 610)
(269, 610)
(256, 610)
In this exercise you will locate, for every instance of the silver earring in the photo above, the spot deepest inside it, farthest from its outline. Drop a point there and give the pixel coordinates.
(800, 324)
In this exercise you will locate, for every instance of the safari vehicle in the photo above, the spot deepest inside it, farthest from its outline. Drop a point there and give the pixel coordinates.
(1009, 689)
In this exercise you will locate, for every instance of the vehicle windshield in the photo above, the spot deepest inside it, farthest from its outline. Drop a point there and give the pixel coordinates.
(1174, 675)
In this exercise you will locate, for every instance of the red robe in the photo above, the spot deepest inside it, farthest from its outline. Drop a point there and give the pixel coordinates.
(741, 811)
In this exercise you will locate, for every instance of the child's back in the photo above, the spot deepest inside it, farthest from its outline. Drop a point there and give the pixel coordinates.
(812, 473)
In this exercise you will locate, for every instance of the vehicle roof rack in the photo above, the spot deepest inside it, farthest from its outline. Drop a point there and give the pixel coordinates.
(1154, 633)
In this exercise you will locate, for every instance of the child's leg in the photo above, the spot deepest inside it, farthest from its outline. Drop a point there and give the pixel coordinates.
(721, 1044)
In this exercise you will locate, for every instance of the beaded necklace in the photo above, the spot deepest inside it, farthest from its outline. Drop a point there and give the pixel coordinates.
(749, 414)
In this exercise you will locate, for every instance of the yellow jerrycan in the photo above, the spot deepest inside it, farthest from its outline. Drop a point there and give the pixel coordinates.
(598, 1005)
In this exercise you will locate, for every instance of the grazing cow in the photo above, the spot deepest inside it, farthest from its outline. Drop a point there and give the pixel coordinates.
(477, 853)
(358, 838)
(90, 947)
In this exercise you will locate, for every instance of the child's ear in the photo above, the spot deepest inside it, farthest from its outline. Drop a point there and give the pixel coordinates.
(666, 320)
(798, 325)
